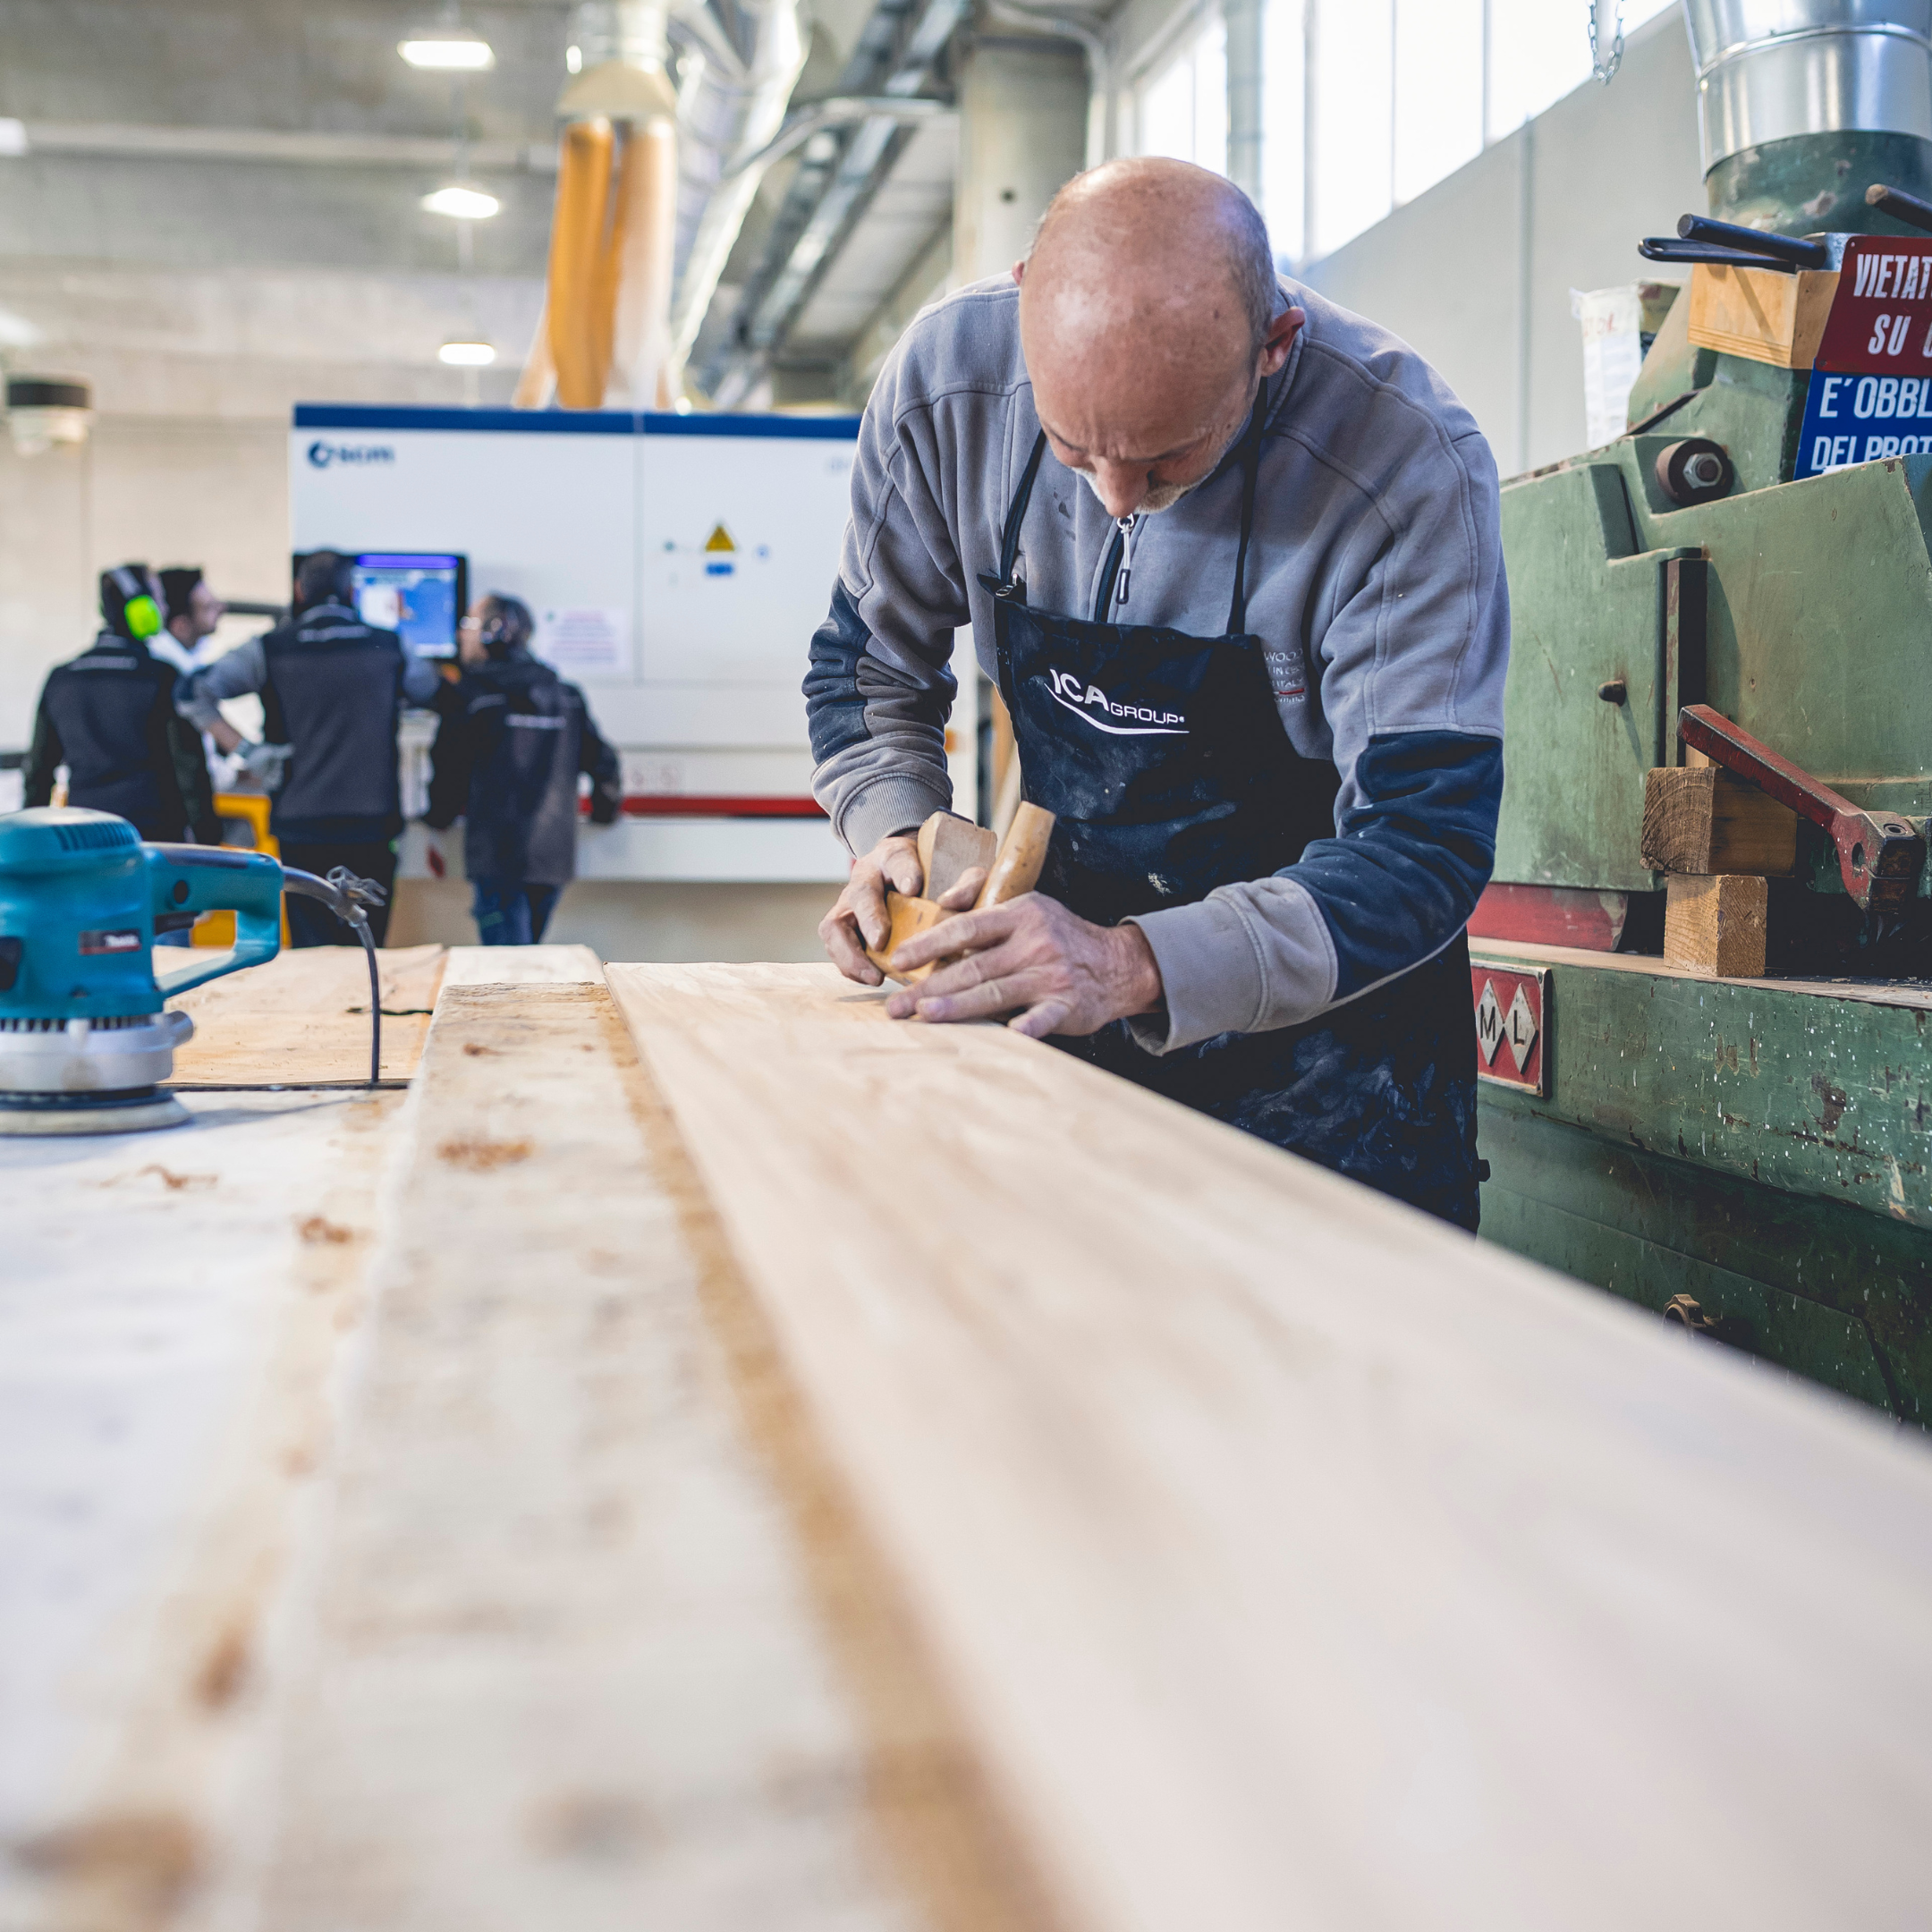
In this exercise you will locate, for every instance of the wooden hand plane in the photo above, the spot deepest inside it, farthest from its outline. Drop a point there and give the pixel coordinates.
(949, 848)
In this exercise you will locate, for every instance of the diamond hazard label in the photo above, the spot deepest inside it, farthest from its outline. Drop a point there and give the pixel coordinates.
(1512, 1021)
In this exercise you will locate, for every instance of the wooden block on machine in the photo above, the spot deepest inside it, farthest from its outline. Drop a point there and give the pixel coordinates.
(1707, 819)
(1760, 313)
(1716, 924)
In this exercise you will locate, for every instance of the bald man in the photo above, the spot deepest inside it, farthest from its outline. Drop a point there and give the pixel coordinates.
(1230, 556)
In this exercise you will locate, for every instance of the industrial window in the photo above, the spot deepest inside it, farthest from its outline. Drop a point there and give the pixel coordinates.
(1180, 103)
(1367, 103)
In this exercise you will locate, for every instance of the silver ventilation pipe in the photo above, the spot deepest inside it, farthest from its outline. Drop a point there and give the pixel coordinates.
(731, 106)
(1801, 103)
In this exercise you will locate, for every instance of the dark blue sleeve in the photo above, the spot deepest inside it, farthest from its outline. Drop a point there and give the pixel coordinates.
(835, 706)
(1411, 859)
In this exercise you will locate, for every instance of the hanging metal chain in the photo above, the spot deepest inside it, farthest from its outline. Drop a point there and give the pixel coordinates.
(1601, 69)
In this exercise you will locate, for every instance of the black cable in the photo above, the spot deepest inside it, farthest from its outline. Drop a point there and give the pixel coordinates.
(346, 896)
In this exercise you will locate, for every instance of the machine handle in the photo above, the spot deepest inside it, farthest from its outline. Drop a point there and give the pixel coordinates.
(1799, 253)
(1878, 857)
(1899, 205)
(217, 878)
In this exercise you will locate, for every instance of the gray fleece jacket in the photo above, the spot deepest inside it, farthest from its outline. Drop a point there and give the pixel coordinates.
(1374, 581)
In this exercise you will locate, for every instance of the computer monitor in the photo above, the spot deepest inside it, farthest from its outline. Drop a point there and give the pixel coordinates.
(419, 594)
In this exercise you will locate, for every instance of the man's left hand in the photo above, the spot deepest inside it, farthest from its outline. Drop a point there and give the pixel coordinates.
(1062, 974)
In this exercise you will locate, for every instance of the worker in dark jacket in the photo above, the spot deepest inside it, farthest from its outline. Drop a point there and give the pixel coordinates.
(108, 715)
(332, 691)
(513, 738)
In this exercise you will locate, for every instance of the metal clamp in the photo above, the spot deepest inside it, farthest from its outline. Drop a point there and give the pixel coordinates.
(1879, 857)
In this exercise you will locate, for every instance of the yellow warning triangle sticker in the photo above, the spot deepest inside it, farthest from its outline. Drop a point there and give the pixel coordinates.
(720, 538)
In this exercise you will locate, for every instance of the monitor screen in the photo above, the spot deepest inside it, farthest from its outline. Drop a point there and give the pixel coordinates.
(422, 597)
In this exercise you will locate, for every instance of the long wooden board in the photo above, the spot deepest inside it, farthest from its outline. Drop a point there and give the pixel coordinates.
(567, 1662)
(1297, 1561)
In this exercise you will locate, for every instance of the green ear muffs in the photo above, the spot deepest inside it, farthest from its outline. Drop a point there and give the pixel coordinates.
(143, 616)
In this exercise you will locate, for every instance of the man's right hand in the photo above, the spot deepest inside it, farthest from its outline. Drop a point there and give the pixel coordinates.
(857, 916)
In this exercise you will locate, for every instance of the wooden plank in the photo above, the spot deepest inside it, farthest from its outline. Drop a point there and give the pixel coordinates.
(1709, 820)
(1761, 313)
(304, 1017)
(1717, 926)
(1298, 1561)
(593, 1645)
(533, 965)
(173, 1308)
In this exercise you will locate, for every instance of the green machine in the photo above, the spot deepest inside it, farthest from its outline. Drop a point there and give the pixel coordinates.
(1748, 571)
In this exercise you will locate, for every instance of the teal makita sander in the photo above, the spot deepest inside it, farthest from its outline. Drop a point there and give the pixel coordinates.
(85, 1040)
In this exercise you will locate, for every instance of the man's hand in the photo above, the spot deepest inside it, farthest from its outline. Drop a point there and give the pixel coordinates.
(1062, 975)
(858, 915)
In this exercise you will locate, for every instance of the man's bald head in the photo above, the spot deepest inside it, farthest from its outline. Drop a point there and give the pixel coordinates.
(1147, 317)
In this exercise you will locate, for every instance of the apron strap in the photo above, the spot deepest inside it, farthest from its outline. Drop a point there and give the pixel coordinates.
(1016, 512)
(1237, 622)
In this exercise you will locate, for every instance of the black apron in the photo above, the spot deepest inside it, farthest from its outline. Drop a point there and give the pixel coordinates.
(1165, 762)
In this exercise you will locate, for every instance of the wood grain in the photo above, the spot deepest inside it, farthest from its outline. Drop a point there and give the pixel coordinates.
(304, 1017)
(1709, 820)
(1716, 925)
(1761, 313)
(1296, 1561)
(566, 1667)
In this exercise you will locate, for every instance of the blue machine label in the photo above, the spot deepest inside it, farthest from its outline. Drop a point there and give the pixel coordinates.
(1855, 418)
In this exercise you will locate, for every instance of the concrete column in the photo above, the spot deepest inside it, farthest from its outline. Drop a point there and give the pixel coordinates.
(1244, 58)
(1023, 135)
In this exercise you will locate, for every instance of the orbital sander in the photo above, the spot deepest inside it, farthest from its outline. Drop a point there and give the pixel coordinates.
(84, 1039)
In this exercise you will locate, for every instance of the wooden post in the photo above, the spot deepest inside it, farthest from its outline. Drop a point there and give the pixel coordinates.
(1716, 925)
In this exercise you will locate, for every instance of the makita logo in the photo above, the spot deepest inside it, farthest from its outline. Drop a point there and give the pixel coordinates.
(1092, 706)
(323, 456)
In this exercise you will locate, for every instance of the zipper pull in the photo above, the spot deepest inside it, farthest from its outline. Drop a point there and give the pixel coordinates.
(1125, 526)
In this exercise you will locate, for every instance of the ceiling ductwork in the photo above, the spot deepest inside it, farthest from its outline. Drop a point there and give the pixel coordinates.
(891, 82)
(652, 187)
(1802, 103)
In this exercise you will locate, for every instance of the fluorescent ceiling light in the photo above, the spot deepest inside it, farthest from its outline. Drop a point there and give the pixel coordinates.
(458, 53)
(467, 354)
(464, 204)
(13, 137)
(573, 60)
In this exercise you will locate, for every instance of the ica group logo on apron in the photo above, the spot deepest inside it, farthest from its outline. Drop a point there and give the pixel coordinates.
(1092, 706)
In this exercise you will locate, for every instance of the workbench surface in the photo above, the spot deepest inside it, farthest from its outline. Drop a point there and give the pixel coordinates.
(709, 1457)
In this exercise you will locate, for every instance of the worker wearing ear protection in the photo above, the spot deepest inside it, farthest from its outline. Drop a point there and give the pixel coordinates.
(513, 738)
(332, 688)
(108, 715)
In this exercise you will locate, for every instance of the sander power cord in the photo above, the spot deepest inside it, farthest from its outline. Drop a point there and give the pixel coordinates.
(346, 896)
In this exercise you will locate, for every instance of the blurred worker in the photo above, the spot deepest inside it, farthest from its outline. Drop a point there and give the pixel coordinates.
(513, 737)
(108, 715)
(332, 690)
(193, 612)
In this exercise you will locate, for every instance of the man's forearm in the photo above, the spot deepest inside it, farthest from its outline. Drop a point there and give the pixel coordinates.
(1353, 912)
(243, 671)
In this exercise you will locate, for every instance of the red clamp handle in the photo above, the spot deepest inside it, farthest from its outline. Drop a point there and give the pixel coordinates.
(1878, 857)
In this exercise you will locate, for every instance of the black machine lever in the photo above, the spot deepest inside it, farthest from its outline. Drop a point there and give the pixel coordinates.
(346, 896)
(1800, 254)
(1664, 248)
